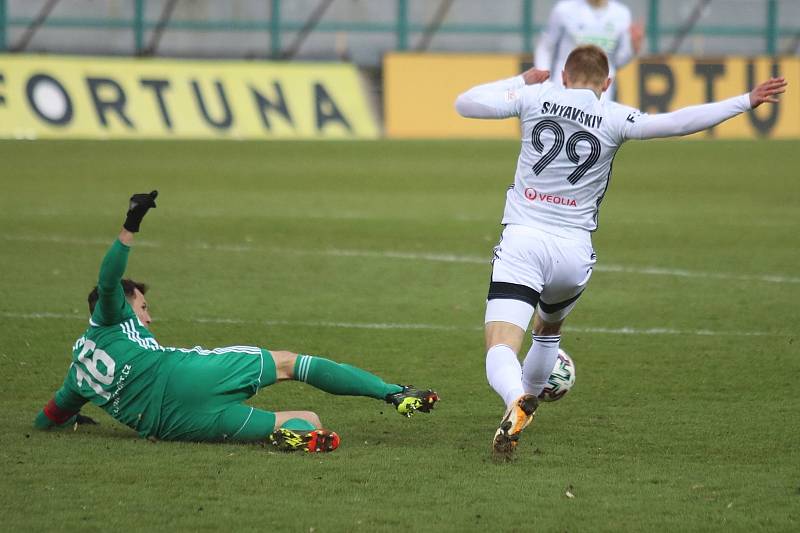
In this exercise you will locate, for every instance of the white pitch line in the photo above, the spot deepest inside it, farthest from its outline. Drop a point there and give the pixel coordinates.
(58, 239)
(413, 256)
(388, 254)
(670, 331)
(327, 324)
(26, 316)
(411, 326)
(449, 258)
(265, 322)
(656, 271)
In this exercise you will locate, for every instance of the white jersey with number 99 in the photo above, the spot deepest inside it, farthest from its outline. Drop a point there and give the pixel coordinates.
(569, 139)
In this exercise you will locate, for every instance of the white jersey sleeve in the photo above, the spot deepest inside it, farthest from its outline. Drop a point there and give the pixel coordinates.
(683, 121)
(499, 99)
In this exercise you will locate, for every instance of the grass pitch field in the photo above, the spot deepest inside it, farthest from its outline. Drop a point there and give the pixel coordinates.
(685, 412)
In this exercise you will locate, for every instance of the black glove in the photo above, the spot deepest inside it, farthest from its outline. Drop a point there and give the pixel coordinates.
(139, 205)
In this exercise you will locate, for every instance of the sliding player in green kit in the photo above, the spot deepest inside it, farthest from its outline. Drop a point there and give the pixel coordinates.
(195, 394)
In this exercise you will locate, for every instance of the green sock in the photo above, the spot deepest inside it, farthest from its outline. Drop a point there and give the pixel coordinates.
(341, 379)
(298, 424)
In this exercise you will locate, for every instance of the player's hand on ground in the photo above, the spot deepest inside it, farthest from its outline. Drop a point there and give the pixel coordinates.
(137, 209)
(81, 420)
(768, 92)
(533, 76)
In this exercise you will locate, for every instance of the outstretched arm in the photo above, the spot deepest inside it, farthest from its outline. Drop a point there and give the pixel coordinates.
(628, 45)
(110, 307)
(499, 99)
(111, 304)
(62, 410)
(548, 40)
(700, 117)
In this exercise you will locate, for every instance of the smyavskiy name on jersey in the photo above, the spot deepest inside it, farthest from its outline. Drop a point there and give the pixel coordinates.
(567, 111)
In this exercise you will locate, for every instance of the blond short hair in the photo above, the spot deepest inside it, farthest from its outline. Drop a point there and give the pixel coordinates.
(587, 64)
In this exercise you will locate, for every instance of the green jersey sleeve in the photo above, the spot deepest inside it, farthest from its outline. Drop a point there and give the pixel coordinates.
(67, 401)
(69, 397)
(112, 307)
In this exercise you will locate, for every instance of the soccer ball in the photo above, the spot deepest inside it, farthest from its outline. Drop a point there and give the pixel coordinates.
(561, 380)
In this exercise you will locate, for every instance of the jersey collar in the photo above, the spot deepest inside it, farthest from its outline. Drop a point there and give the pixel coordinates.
(584, 93)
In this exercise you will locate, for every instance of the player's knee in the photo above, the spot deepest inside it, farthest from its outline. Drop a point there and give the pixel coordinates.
(284, 364)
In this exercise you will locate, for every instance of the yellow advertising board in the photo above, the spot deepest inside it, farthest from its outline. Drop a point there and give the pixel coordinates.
(419, 91)
(91, 98)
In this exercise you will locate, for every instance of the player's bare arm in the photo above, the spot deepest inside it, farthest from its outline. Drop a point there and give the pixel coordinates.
(636, 32)
(125, 237)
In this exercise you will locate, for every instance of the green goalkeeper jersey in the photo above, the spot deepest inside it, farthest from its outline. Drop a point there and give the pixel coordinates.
(122, 369)
(117, 363)
(119, 366)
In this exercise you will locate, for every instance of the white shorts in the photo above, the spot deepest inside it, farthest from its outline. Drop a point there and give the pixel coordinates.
(534, 268)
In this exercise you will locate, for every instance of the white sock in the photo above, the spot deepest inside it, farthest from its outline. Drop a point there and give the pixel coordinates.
(504, 372)
(539, 363)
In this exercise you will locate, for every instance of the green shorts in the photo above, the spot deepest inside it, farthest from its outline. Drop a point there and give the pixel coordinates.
(204, 394)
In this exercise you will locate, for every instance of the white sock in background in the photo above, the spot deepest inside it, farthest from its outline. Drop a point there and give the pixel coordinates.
(504, 372)
(539, 363)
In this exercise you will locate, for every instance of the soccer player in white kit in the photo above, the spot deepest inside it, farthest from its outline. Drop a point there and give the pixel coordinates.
(604, 23)
(544, 258)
